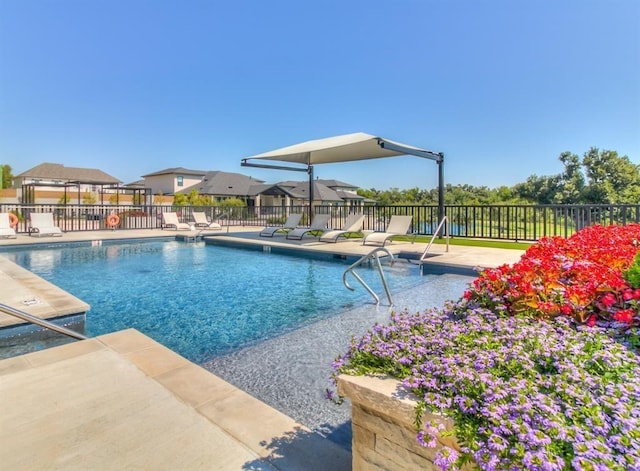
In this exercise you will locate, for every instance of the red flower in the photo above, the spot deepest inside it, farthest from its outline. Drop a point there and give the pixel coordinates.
(592, 320)
(566, 309)
(625, 315)
(608, 300)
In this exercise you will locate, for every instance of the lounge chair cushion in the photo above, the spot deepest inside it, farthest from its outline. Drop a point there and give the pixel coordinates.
(319, 224)
(42, 224)
(290, 224)
(170, 220)
(398, 225)
(353, 225)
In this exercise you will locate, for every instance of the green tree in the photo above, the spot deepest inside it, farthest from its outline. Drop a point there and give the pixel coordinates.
(7, 176)
(193, 198)
(538, 189)
(611, 178)
(571, 183)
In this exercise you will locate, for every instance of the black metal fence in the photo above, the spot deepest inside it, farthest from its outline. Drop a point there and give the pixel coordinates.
(506, 222)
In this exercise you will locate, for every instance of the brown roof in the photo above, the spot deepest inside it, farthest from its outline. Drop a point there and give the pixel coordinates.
(51, 171)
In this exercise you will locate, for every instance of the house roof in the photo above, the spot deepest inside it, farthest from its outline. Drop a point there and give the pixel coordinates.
(320, 192)
(337, 184)
(224, 184)
(51, 171)
(176, 171)
(349, 195)
(136, 184)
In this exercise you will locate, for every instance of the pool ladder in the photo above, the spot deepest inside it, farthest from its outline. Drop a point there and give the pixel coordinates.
(41, 322)
(370, 257)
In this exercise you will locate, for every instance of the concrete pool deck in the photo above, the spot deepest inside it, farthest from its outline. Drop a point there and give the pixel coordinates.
(122, 401)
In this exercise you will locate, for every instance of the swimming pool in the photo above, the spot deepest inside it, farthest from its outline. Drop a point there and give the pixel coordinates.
(201, 300)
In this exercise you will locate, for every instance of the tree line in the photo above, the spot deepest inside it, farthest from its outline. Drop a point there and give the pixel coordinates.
(599, 177)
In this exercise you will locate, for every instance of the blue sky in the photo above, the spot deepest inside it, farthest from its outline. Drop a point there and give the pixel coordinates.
(501, 87)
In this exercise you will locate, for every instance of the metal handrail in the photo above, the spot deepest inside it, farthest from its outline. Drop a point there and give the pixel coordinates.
(371, 255)
(445, 222)
(41, 322)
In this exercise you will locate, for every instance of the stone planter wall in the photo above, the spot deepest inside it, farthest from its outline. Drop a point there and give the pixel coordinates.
(384, 434)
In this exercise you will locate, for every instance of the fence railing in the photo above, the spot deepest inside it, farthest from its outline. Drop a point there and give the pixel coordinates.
(507, 222)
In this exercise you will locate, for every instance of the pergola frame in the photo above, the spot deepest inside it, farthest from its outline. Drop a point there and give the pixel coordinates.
(354, 144)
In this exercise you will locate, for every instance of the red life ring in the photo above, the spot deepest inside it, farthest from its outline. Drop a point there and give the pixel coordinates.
(113, 220)
(13, 220)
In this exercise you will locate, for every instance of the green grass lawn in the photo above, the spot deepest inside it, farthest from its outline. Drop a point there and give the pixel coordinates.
(498, 244)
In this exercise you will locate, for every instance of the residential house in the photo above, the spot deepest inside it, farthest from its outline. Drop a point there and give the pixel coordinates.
(224, 185)
(172, 180)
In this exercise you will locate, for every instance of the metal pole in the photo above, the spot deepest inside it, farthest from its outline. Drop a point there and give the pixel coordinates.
(310, 193)
(441, 187)
(41, 322)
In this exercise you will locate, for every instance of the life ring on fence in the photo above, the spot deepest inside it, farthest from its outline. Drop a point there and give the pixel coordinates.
(13, 220)
(113, 220)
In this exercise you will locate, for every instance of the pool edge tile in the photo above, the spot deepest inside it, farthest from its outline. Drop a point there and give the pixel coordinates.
(63, 352)
(127, 341)
(194, 385)
(156, 360)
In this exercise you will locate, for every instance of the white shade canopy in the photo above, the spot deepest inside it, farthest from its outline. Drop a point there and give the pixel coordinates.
(344, 148)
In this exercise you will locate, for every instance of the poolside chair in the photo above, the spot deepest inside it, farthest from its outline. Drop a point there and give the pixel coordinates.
(6, 230)
(201, 221)
(318, 225)
(42, 224)
(290, 224)
(353, 225)
(171, 220)
(398, 225)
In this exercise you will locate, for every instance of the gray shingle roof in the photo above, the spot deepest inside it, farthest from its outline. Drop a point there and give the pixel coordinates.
(349, 195)
(320, 192)
(176, 171)
(337, 184)
(51, 171)
(224, 184)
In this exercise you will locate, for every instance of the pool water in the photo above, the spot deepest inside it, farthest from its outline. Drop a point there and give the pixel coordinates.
(203, 300)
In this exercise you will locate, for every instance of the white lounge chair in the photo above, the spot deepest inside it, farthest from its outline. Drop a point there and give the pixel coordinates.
(42, 224)
(353, 225)
(201, 221)
(170, 220)
(6, 230)
(318, 225)
(398, 225)
(290, 224)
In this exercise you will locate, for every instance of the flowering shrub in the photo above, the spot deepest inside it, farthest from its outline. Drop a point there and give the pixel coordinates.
(555, 395)
(523, 395)
(581, 277)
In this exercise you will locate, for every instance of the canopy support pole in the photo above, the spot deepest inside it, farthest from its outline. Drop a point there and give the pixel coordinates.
(310, 170)
(441, 188)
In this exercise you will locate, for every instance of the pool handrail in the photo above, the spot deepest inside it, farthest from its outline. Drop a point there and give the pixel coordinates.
(371, 255)
(41, 322)
(445, 222)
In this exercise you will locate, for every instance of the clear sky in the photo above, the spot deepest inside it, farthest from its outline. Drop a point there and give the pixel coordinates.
(502, 87)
